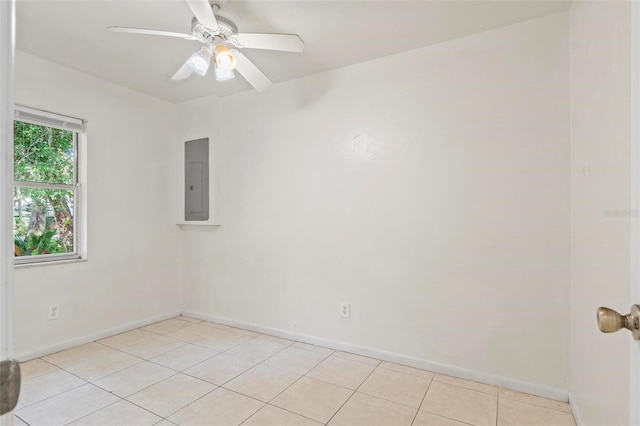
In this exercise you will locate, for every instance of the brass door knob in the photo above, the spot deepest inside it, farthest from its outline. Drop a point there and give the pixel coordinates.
(609, 321)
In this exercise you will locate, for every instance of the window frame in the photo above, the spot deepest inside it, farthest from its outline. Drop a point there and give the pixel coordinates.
(78, 127)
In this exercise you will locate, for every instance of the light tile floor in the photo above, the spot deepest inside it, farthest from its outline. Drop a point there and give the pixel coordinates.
(186, 372)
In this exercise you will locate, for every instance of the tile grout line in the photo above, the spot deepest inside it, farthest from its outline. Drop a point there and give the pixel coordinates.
(229, 348)
(94, 411)
(262, 363)
(107, 375)
(215, 384)
(120, 371)
(354, 360)
(52, 396)
(422, 401)
(191, 403)
(332, 351)
(285, 389)
(432, 379)
(394, 402)
(282, 350)
(448, 418)
(354, 392)
(161, 353)
(146, 387)
(92, 382)
(88, 414)
(278, 394)
(534, 404)
(59, 393)
(365, 393)
(43, 358)
(155, 363)
(326, 356)
(292, 343)
(497, 406)
(459, 387)
(228, 390)
(234, 377)
(465, 387)
(170, 414)
(21, 419)
(288, 411)
(173, 375)
(222, 386)
(58, 369)
(182, 371)
(139, 406)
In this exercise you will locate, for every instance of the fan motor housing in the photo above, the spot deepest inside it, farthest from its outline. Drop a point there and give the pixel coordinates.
(228, 29)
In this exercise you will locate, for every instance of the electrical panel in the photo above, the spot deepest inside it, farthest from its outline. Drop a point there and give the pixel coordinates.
(196, 180)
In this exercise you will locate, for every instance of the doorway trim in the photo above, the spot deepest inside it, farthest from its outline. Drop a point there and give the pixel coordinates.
(7, 58)
(634, 287)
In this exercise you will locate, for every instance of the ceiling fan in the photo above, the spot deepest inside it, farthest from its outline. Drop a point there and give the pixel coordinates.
(221, 41)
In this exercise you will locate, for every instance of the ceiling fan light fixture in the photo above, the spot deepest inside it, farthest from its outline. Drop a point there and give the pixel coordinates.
(223, 74)
(199, 61)
(223, 45)
(224, 58)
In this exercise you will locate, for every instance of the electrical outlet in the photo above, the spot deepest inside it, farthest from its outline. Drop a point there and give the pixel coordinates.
(345, 309)
(54, 312)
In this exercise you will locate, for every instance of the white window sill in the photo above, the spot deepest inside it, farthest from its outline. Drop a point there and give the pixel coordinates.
(48, 263)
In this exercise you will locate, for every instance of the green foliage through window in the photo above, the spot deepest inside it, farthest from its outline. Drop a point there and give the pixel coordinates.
(42, 154)
(44, 191)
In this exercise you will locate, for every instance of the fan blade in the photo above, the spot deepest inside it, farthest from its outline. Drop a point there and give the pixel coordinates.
(250, 72)
(284, 42)
(204, 14)
(183, 73)
(151, 32)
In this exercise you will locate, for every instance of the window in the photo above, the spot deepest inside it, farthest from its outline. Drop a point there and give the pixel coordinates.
(46, 187)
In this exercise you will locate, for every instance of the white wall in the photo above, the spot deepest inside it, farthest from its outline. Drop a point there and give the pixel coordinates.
(430, 189)
(600, 147)
(134, 269)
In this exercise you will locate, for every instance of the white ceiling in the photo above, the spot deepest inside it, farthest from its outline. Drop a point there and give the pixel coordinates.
(336, 34)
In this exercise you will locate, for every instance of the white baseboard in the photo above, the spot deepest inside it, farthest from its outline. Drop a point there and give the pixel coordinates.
(437, 367)
(575, 409)
(28, 355)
